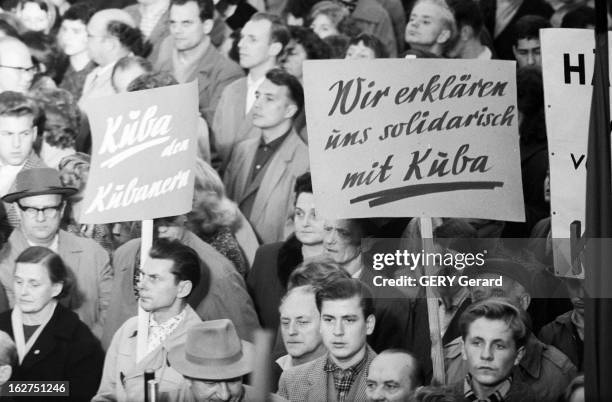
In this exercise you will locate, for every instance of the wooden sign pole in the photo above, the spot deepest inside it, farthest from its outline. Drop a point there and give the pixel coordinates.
(146, 242)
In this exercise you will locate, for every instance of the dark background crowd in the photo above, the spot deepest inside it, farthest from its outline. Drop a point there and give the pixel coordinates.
(253, 252)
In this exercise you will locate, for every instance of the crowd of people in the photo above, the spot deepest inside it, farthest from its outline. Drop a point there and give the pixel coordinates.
(255, 252)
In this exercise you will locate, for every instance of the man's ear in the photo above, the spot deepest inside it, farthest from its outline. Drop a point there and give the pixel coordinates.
(207, 26)
(275, 49)
(370, 324)
(525, 300)
(519, 355)
(5, 373)
(291, 110)
(444, 36)
(184, 289)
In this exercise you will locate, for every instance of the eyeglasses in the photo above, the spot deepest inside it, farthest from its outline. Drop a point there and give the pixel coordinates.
(30, 70)
(48, 212)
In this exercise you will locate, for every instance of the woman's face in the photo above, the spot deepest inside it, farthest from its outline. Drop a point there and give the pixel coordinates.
(360, 52)
(34, 18)
(33, 287)
(323, 26)
(295, 57)
(308, 226)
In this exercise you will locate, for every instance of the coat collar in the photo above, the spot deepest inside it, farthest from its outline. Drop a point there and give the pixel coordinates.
(532, 360)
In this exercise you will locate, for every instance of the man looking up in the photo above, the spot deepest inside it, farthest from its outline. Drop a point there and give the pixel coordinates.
(262, 42)
(16, 68)
(262, 170)
(392, 377)
(431, 27)
(189, 54)
(347, 318)
(166, 279)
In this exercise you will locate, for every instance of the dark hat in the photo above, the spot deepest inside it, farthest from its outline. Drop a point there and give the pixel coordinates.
(38, 181)
(505, 267)
(213, 351)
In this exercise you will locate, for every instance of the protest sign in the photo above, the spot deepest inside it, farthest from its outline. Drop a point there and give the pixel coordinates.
(143, 154)
(567, 64)
(392, 138)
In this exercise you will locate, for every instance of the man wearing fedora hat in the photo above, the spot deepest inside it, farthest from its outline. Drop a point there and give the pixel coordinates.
(40, 199)
(214, 360)
(18, 132)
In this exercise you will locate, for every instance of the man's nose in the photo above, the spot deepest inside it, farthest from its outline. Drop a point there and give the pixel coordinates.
(485, 353)
(223, 391)
(292, 328)
(339, 328)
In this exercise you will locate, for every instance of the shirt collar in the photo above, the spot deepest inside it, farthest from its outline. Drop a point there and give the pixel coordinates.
(251, 82)
(331, 366)
(498, 395)
(169, 323)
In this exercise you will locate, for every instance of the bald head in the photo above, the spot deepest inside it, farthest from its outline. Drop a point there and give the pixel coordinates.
(392, 376)
(103, 17)
(17, 69)
(103, 48)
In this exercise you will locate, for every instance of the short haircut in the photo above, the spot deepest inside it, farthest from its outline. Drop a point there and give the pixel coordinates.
(337, 45)
(57, 270)
(280, 77)
(303, 184)
(315, 47)
(206, 7)
(416, 374)
(16, 104)
(279, 31)
(129, 61)
(580, 17)
(346, 288)
(152, 80)
(185, 261)
(305, 289)
(448, 20)
(496, 309)
(370, 41)
(8, 351)
(467, 13)
(316, 272)
(79, 12)
(528, 27)
(129, 37)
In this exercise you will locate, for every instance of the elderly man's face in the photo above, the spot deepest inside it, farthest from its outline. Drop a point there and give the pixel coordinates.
(342, 240)
(16, 67)
(17, 136)
(300, 322)
(214, 390)
(389, 378)
(40, 217)
(490, 351)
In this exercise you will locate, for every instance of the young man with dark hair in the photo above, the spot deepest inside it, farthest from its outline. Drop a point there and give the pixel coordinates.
(189, 54)
(347, 318)
(262, 170)
(468, 44)
(166, 280)
(526, 46)
(262, 43)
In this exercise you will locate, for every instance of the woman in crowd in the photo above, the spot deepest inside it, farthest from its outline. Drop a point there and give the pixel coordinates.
(72, 39)
(267, 280)
(365, 47)
(52, 343)
(329, 18)
(214, 216)
(37, 15)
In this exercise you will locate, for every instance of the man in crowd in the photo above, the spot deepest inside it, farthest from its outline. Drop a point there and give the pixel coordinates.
(189, 54)
(40, 198)
(392, 377)
(493, 337)
(545, 369)
(431, 28)
(166, 279)
(262, 42)
(16, 67)
(526, 46)
(469, 26)
(151, 16)
(17, 135)
(105, 50)
(300, 324)
(262, 170)
(214, 361)
(347, 318)
(221, 292)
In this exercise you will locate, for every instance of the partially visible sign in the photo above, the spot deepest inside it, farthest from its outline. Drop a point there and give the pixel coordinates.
(143, 154)
(421, 137)
(567, 64)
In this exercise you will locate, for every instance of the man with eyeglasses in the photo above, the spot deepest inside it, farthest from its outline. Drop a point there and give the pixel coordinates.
(40, 199)
(17, 135)
(16, 67)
